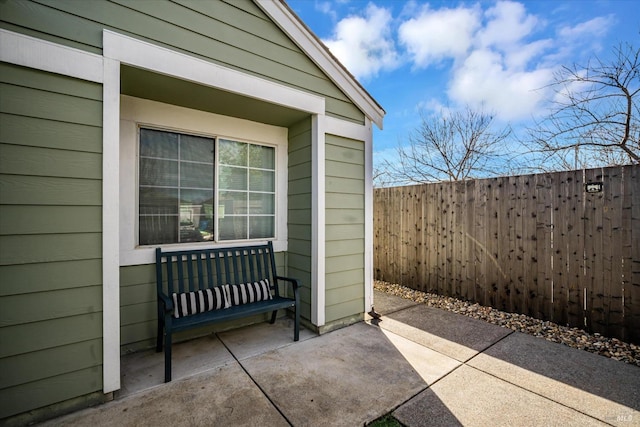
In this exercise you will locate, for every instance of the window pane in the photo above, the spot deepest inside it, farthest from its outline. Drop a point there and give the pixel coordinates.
(154, 143)
(198, 197)
(158, 201)
(158, 172)
(196, 175)
(196, 148)
(196, 215)
(232, 153)
(177, 180)
(233, 227)
(235, 203)
(260, 203)
(262, 157)
(232, 178)
(262, 180)
(261, 227)
(184, 212)
(158, 229)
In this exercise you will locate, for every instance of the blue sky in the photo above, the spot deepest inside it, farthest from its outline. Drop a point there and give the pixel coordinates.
(417, 55)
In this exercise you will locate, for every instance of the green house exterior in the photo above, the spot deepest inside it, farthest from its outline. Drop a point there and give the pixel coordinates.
(77, 79)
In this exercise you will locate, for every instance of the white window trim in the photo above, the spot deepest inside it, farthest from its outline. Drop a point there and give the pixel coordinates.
(135, 113)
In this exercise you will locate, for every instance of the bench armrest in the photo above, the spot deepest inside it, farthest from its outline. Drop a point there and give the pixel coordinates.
(294, 284)
(166, 301)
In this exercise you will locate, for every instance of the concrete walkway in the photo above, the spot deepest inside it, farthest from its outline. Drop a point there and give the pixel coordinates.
(426, 366)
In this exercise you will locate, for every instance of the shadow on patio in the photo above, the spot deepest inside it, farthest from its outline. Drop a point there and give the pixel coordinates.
(427, 366)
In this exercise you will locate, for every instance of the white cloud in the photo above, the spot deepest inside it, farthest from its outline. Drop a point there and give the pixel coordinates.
(483, 80)
(434, 35)
(508, 23)
(494, 65)
(501, 57)
(504, 72)
(327, 8)
(594, 27)
(364, 44)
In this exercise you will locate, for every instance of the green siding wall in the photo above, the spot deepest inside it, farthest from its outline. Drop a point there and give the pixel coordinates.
(344, 250)
(299, 211)
(50, 239)
(233, 33)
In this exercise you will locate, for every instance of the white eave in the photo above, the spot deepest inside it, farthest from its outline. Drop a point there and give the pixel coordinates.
(280, 13)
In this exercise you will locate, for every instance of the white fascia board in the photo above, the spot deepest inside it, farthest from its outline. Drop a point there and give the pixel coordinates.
(26, 51)
(281, 15)
(158, 59)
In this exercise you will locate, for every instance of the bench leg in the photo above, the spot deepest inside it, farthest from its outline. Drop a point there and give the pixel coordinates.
(273, 317)
(167, 352)
(159, 336)
(296, 325)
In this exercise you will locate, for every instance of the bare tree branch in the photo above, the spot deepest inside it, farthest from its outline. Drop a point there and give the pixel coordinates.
(451, 146)
(595, 118)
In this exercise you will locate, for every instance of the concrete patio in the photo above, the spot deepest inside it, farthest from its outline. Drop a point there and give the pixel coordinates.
(426, 366)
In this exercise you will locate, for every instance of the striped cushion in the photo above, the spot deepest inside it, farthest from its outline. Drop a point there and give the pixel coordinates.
(189, 303)
(249, 292)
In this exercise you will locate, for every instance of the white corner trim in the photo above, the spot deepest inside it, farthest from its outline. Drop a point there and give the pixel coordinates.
(302, 36)
(149, 56)
(318, 220)
(110, 226)
(31, 52)
(368, 218)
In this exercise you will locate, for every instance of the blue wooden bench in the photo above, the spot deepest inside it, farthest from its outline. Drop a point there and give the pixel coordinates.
(206, 286)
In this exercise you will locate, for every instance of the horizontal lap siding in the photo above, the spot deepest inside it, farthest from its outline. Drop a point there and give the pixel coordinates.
(299, 211)
(235, 34)
(138, 313)
(50, 239)
(344, 269)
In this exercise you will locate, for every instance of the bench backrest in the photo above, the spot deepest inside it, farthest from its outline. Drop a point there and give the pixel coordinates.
(192, 270)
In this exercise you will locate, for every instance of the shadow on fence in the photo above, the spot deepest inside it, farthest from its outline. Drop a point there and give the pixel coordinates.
(562, 246)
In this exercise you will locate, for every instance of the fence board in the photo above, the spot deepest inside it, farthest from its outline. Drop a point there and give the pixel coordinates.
(533, 244)
(596, 285)
(627, 249)
(480, 235)
(633, 300)
(613, 255)
(575, 249)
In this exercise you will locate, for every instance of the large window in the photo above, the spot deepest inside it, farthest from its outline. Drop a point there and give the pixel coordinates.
(194, 189)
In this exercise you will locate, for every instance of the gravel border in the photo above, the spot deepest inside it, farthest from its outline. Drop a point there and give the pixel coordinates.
(573, 337)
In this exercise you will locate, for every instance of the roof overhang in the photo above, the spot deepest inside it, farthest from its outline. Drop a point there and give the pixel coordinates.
(306, 40)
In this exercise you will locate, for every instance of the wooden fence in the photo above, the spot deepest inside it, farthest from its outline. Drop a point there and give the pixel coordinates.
(539, 245)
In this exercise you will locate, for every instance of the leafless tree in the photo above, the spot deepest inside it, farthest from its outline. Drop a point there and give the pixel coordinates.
(595, 116)
(381, 177)
(453, 146)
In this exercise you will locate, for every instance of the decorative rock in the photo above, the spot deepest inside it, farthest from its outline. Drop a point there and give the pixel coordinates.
(572, 337)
